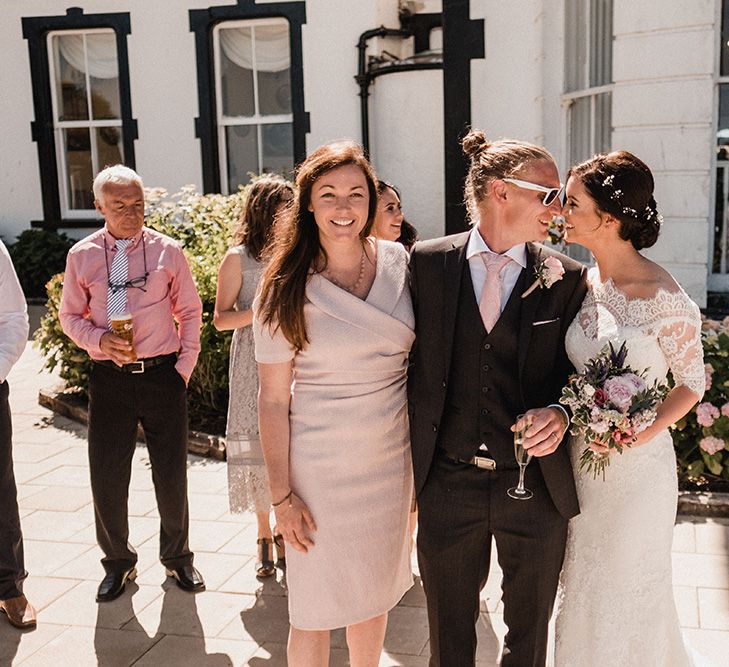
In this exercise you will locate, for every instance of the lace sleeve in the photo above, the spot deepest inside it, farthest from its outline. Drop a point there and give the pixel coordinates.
(679, 336)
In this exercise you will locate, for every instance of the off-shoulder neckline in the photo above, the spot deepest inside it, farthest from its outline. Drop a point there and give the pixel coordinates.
(594, 281)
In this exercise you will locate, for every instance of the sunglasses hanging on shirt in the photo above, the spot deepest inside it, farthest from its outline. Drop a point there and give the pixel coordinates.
(137, 283)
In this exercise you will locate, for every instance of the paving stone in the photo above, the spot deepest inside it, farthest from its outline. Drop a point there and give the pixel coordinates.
(82, 647)
(197, 652)
(705, 570)
(42, 591)
(18, 645)
(45, 558)
(711, 645)
(244, 579)
(684, 537)
(264, 619)
(713, 608)
(33, 453)
(58, 498)
(687, 606)
(56, 526)
(712, 536)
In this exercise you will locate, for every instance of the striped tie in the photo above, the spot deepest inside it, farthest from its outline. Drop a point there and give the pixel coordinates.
(118, 275)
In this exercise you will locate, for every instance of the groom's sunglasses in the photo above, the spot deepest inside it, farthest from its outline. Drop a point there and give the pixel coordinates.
(550, 194)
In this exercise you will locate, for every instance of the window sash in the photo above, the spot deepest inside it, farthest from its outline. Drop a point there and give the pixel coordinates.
(59, 126)
(224, 121)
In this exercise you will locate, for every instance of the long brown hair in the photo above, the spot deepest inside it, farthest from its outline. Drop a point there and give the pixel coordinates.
(296, 246)
(265, 195)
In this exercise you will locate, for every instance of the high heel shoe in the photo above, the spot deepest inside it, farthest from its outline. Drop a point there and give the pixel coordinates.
(280, 551)
(265, 566)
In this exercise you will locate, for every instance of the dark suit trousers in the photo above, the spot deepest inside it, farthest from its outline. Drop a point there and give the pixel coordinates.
(117, 401)
(12, 568)
(461, 508)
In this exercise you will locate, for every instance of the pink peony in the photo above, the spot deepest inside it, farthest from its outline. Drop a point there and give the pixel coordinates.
(620, 392)
(706, 414)
(635, 380)
(711, 445)
(725, 409)
(708, 373)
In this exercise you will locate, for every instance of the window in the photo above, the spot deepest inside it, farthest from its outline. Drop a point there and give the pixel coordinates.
(253, 99)
(588, 85)
(79, 72)
(719, 262)
(250, 80)
(84, 74)
(588, 77)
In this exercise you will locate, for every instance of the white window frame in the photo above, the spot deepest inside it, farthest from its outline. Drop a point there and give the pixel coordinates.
(223, 121)
(59, 126)
(569, 97)
(718, 282)
(591, 93)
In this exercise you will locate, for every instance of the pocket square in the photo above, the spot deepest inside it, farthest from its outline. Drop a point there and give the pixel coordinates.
(536, 324)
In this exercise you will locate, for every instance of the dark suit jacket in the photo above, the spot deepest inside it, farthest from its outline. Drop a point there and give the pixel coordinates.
(436, 268)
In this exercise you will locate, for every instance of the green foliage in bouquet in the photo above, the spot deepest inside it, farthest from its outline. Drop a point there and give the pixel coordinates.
(203, 225)
(38, 254)
(701, 438)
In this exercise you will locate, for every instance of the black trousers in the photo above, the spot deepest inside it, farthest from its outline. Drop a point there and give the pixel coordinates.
(461, 507)
(117, 401)
(12, 567)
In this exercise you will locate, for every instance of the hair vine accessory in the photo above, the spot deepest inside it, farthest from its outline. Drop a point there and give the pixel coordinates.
(649, 213)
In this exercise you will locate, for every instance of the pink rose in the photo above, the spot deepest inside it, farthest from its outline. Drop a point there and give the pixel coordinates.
(725, 409)
(708, 373)
(711, 445)
(553, 271)
(706, 414)
(620, 392)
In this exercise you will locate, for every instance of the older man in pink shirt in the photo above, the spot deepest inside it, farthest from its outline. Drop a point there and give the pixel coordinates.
(128, 268)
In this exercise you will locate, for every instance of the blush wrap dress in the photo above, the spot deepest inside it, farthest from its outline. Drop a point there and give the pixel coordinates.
(349, 452)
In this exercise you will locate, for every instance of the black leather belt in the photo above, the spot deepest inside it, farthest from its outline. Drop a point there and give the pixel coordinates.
(139, 366)
(483, 462)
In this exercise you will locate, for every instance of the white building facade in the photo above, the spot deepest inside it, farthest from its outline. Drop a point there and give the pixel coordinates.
(206, 91)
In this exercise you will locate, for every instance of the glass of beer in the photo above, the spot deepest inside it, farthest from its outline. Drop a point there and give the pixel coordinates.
(523, 457)
(122, 326)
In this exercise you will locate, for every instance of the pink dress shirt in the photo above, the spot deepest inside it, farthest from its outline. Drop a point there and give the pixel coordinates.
(170, 296)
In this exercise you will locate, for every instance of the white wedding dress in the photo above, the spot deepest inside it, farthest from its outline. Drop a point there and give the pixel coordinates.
(615, 605)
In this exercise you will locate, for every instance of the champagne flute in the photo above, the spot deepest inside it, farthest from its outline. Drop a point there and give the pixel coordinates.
(519, 492)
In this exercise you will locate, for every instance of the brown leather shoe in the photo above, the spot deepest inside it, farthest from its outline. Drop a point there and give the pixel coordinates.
(20, 612)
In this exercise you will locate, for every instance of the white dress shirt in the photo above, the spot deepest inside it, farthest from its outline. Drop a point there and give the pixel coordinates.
(509, 274)
(13, 315)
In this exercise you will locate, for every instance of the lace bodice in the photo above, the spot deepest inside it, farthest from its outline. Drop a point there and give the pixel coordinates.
(662, 333)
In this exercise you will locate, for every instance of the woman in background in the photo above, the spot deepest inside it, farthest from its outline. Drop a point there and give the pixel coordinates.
(238, 277)
(390, 224)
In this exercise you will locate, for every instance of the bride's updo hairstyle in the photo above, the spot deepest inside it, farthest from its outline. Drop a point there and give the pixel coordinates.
(621, 185)
(490, 160)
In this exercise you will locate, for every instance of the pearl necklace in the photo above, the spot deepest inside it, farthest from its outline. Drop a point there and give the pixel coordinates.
(357, 283)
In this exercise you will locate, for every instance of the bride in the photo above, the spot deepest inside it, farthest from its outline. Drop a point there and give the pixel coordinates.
(616, 604)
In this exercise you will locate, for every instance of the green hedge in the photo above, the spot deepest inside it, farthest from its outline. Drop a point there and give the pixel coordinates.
(203, 225)
(701, 438)
(38, 254)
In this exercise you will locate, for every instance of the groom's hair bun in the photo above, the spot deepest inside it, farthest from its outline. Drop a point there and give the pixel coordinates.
(621, 185)
(490, 160)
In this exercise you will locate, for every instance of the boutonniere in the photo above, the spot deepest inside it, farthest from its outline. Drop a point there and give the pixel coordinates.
(547, 272)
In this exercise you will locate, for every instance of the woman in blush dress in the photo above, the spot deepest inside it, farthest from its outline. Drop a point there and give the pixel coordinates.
(238, 278)
(616, 606)
(334, 326)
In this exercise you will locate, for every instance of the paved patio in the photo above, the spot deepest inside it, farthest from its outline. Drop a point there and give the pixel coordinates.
(238, 620)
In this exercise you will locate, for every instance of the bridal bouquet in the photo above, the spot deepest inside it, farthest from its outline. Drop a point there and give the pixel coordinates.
(611, 403)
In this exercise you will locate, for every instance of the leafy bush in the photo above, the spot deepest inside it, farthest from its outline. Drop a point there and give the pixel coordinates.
(203, 225)
(701, 438)
(37, 255)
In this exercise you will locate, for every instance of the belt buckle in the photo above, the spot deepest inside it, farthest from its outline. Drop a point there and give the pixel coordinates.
(136, 366)
(484, 463)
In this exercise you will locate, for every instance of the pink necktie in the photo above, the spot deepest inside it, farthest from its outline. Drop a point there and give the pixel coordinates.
(490, 304)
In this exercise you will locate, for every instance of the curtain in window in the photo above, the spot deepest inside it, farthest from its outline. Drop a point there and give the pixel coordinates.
(101, 48)
(272, 47)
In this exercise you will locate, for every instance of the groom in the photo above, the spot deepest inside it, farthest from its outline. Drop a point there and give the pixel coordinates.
(483, 355)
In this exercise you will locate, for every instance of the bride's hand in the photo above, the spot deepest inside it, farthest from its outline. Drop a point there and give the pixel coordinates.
(295, 523)
(599, 448)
